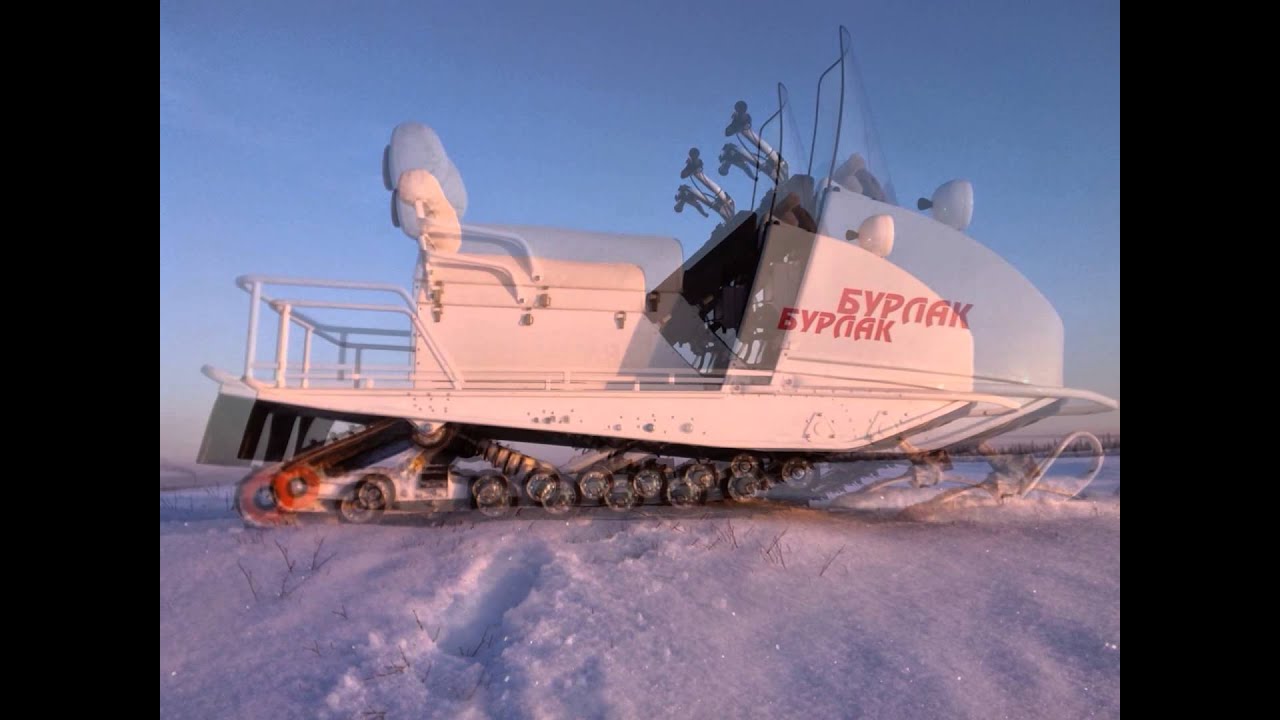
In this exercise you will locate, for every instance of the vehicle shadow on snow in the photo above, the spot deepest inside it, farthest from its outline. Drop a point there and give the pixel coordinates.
(711, 512)
(199, 511)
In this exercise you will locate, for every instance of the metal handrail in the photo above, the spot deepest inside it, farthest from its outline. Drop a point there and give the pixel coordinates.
(253, 284)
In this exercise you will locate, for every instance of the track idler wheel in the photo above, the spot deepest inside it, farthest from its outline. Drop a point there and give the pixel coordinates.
(492, 494)
(256, 500)
(297, 488)
(370, 498)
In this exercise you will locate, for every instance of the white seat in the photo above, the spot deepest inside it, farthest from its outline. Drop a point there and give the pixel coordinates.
(658, 258)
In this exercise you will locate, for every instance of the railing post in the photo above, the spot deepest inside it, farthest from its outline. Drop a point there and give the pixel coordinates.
(359, 362)
(282, 343)
(342, 356)
(250, 347)
(306, 357)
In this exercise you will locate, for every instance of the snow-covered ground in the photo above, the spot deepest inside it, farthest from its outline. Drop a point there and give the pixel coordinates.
(974, 611)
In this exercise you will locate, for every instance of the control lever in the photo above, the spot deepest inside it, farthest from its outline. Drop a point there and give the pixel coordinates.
(692, 164)
(740, 124)
(722, 203)
(689, 196)
(740, 120)
(732, 155)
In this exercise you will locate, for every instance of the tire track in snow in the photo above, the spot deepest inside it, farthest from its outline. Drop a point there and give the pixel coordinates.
(481, 601)
(474, 623)
(461, 672)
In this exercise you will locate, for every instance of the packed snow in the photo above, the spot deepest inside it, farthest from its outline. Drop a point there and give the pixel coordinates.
(977, 609)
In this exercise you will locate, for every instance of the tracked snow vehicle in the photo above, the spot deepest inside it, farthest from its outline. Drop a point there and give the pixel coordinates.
(824, 323)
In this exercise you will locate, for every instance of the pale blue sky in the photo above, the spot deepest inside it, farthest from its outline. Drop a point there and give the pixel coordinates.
(578, 114)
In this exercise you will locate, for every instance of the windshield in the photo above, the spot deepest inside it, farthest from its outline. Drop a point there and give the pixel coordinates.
(845, 148)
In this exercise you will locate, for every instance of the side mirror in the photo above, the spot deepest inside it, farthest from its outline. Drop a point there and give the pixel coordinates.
(951, 204)
(875, 235)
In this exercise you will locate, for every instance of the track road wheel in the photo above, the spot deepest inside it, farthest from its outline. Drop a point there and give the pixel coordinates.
(562, 499)
(620, 496)
(796, 471)
(743, 487)
(541, 484)
(492, 493)
(682, 493)
(701, 475)
(648, 480)
(595, 482)
(368, 501)
(744, 465)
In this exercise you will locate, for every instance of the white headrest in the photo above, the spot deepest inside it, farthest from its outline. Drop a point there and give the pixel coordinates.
(415, 146)
(416, 188)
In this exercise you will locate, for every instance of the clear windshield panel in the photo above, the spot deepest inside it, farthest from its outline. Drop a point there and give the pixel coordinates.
(845, 148)
(828, 112)
(859, 127)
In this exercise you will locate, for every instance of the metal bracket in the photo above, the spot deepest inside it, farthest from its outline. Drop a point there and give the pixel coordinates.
(819, 428)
